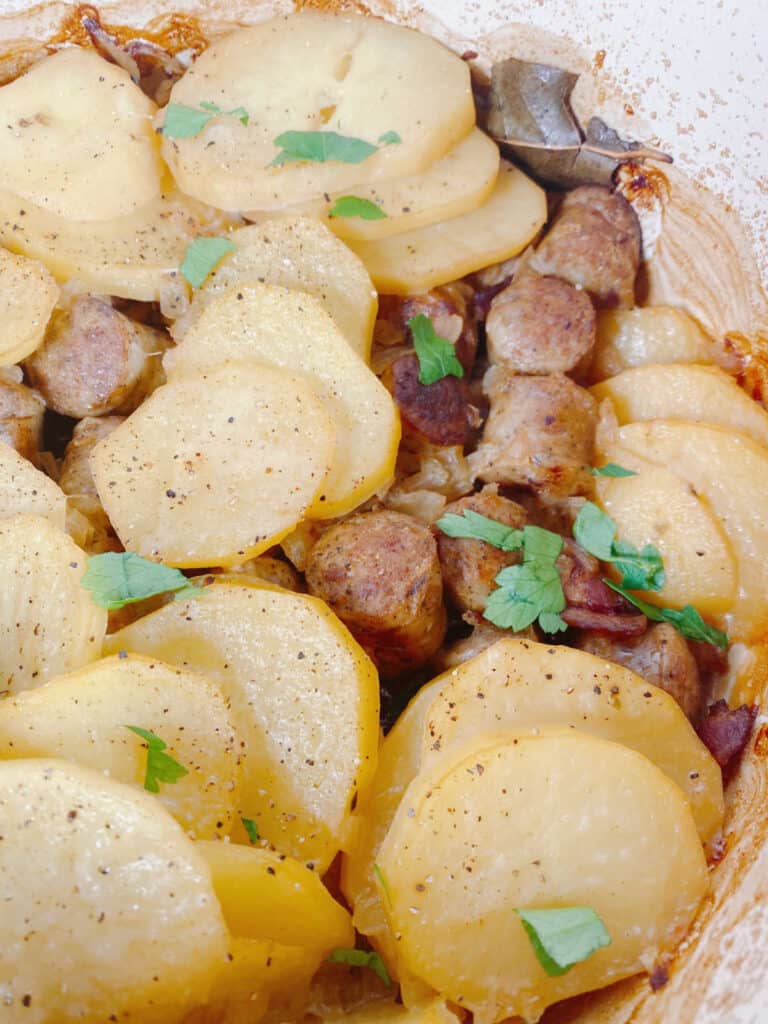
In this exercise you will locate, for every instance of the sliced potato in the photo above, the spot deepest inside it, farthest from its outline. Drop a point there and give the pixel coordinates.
(657, 507)
(78, 138)
(366, 77)
(82, 717)
(24, 489)
(680, 392)
(108, 909)
(215, 467)
(459, 182)
(416, 261)
(292, 331)
(729, 473)
(28, 294)
(265, 895)
(384, 1011)
(299, 253)
(519, 821)
(48, 622)
(305, 699)
(645, 335)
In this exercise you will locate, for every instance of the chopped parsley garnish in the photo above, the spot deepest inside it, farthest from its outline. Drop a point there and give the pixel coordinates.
(596, 533)
(354, 206)
(436, 355)
(201, 257)
(383, 883)
(610, 469)
(320, 147)
(533, 590)
(251, 828)
(563, 937)
(117, 579)
(361, 958)
(686, 621)
(474, 526)
(161, 767)
(183, 122)
(389, 138)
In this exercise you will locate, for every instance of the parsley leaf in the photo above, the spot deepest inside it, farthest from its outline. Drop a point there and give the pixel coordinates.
(687, 620)
(383, 883)
(201, 257)
(240, 113)
(161, 767)
(320, 147)
(532, 590)
(361, 958)
(596, 533)
(251, 828)
(563, 937)
(610, 469)
(183, 122)
(116, 580)
(474, 526)
(389, 138)
(353, 206)
(436, 355)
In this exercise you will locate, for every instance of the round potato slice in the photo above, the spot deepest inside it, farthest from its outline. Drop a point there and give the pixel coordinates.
(366, 77)
(382, 1011)
(304, 696)
(298, 253)
(645, 335)
(82, 717)
(48, 622)
(24, 489)
(292, 331)
(522, 822)
(108, 909)
(78, 138)
(28, 294)
(215, 467)
(415, 261)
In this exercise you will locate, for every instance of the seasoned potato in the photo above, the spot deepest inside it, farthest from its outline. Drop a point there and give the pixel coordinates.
(299, 253)
(24, 489)
(366, 77)
(672, 392)
(265, 895)
(28, 294)
(657, 507)
(418, 260)
(645, 335)
(383, 1011)
(729, 472)
(81, 717)
(108, 909)
(215, 467)
(557, 820)
(79, 139)
(292, 331)
(48, 622)
(459, 182)
(304, 696)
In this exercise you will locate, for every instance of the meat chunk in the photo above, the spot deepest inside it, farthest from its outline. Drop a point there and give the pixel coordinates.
(450, 309)
(484, 635)
(76, 479)
(540, 433)
(95, 361)
(439, 412)
(21, 418)
(590, 603)
(380, 573)
(471, 566)
(725, 733)
(595, 244)
(541, 325)
(661, 656)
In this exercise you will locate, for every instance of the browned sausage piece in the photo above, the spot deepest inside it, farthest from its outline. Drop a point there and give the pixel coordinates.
(661, 656)
(76, 479)
(21, 418)
(540, 433)
(95, 361)
(450, 309)
(541, 325)
(471, 566)
(380, 573)
(595, 244)
(439, 412)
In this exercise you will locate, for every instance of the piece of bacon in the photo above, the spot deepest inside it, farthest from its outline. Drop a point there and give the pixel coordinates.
(590, 604)
(725, 733)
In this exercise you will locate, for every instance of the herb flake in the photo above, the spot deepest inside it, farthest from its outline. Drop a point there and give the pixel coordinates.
(201, 257)
(161, 767)
(251, 828)
(354, 206)
(474, 526)
(687, 620)
(596, 533)
(182, 122)
(436, 355)
(117, 579)
(612, 471)
(532, 590)
(389, 138)
(563, 937)
(321, 147)
(361, 958)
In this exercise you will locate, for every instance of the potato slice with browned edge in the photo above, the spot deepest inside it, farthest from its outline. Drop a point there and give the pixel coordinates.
(78, 138)
(679, 392)
(299, 253)
(28, 294)
(48, 622)
(416, 261)
(645, 335)
(304, 696)
(729, 473)
(24, 489)
(366, 79)
(292, 331)
(215, 467)
(108, 908)
(383, 1011)
(657, 507)
(520, 821)
(82, 717)
(459, 182)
